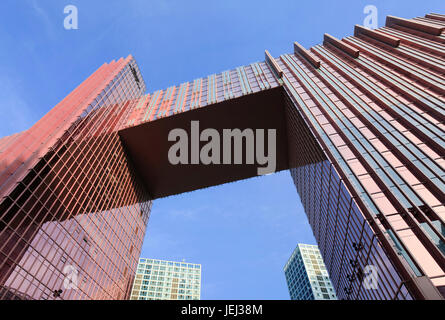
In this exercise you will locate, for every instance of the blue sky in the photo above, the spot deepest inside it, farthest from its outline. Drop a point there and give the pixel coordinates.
(242, 233)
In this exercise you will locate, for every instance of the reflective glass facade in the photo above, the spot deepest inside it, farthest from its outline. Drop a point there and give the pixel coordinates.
(378, 121)
(363, 138)
(306, 275)
(73, 213)
(166, 280)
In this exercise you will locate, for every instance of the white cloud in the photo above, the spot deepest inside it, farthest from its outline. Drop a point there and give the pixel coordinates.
(44, 17)
(150, 8)
(15, 113)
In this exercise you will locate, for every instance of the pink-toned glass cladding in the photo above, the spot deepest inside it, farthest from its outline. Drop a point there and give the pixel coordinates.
(378, 114)
(79, 212)
(365, 136)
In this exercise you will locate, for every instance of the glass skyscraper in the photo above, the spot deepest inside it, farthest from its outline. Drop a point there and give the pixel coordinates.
(306, 275)
(359, 124)
(166, 280)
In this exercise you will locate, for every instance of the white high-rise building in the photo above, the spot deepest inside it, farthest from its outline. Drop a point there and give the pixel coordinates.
(166, 280)
(306, 275)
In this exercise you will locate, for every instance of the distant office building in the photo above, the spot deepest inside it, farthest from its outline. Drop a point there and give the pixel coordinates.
(166, 280)
(306, 275)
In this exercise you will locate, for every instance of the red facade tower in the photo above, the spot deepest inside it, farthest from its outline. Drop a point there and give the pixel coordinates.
(73, 214)
(360, 127)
